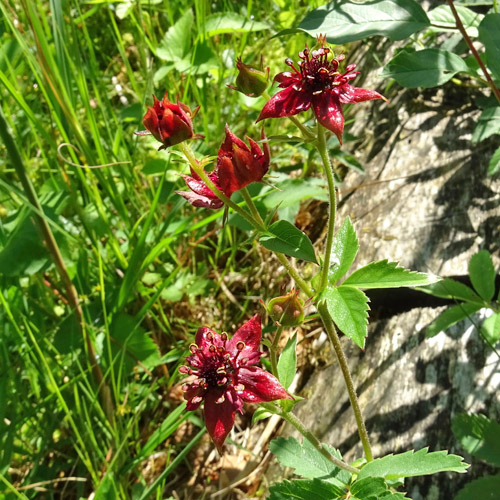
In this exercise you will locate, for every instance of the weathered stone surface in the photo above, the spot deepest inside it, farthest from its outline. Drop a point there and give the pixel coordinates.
(428, 204)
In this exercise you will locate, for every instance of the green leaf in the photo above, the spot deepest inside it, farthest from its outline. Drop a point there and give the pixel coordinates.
(451, 289)
(489, 35)
(231, 22)
(348, 21)
(373, 488)
(490, 329)
(410, 464)
(287, 364)
(494, 165)
(450, 316)
(260, 414)
(482, 274)
(487, 124)
(424, 68)
(385, 274)
(305, 490)
(348, 307)
(479, 435)
(292, 191)
(176, 43)
(443, 19)
(285, 238)
(347, 160)
(484, 488)
(344, 250)
(308, 462)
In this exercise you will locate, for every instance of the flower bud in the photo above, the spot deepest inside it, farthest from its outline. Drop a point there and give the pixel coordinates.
(250, 81)
(287, 310)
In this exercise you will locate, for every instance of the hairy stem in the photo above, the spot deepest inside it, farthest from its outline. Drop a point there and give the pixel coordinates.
(321, 146)
(468, 41)
(353, 398)
(292, 419)
(53, 248)
(274, 350)
(251, 205)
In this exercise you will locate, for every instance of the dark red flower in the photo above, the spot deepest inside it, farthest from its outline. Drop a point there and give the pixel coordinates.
(226, 377)
(319, 84)
(168, 122)
(237, 166)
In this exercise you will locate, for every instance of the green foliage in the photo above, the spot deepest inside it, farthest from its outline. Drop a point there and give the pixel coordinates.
(489, 35)
(287, 363)
(285, 238)
(490, 329)
(488, 124)
(484, 488)
(451, 316)
(304, 490)
(344, 250)
(411, 464)
(482, 274)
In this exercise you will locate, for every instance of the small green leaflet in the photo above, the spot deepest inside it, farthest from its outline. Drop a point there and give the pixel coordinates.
(287, 364)
(482, 274)
(451, 289)
(488, 124)
(410, 464)
(285, 238)
(304, 489)
(489, 35)
(480, 489)
(479, 435)
(347, 21)
(424, 68)
(373, 488)
(344, 250)
(494, 165)
(260, 414)
(348, 308)
(490, 329)
(385, 274)
(450, 316)
(443, 20)
(230, 22)
(309, 462)
(176, 42)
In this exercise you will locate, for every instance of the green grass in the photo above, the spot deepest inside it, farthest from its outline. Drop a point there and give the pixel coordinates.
(145, 272)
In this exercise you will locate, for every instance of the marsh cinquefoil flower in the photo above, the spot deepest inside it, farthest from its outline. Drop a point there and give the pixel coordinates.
(169, 123)
(317, 84)
(226, 377)
(237, 166)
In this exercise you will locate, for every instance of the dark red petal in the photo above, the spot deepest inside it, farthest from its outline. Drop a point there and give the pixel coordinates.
(260, 385)
(286, 79)
(329, 113)
(199, 187)
(200, 201)
(219, 418)
(192, 392)
(150, 121)
(228, 179)
(230, 139)
(261, 157)
(348, 94)
(250, 334)
(288, 102)
(200, 337)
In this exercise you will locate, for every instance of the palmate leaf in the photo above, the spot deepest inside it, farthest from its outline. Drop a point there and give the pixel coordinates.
(309, 462)
(344, 250)
(385, 274)
(348, 307)
(479, 435)
(409, 464)
(305, 490)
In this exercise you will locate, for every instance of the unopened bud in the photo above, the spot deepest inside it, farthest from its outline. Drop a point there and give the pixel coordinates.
(287, 310)
(250, 81)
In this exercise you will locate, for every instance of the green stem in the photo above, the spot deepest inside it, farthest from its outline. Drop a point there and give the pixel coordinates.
(251, 205)
(292, 419)
(53, 248)
(353, 398)
(274, 351)
(468, 41)
(204, 177)
(301, 283)
(321, 146)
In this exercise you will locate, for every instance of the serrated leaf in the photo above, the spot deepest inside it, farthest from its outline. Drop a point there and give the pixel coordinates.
(230, 22)
(287, 363)
(479, 435)
(494, 165)
(482, 274)
(385, 274)
(451, 289)
(176, 42)
(450, 316)
(305, 490)
(348, 307)
(487, 124)
(489, 35)
(373, 488)
(347, 21)
(344, 250)
(410, 464)
(490, 329)
(307, 461)
(442, 19)
(285, 238)
(424, 68)
(484, 488)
